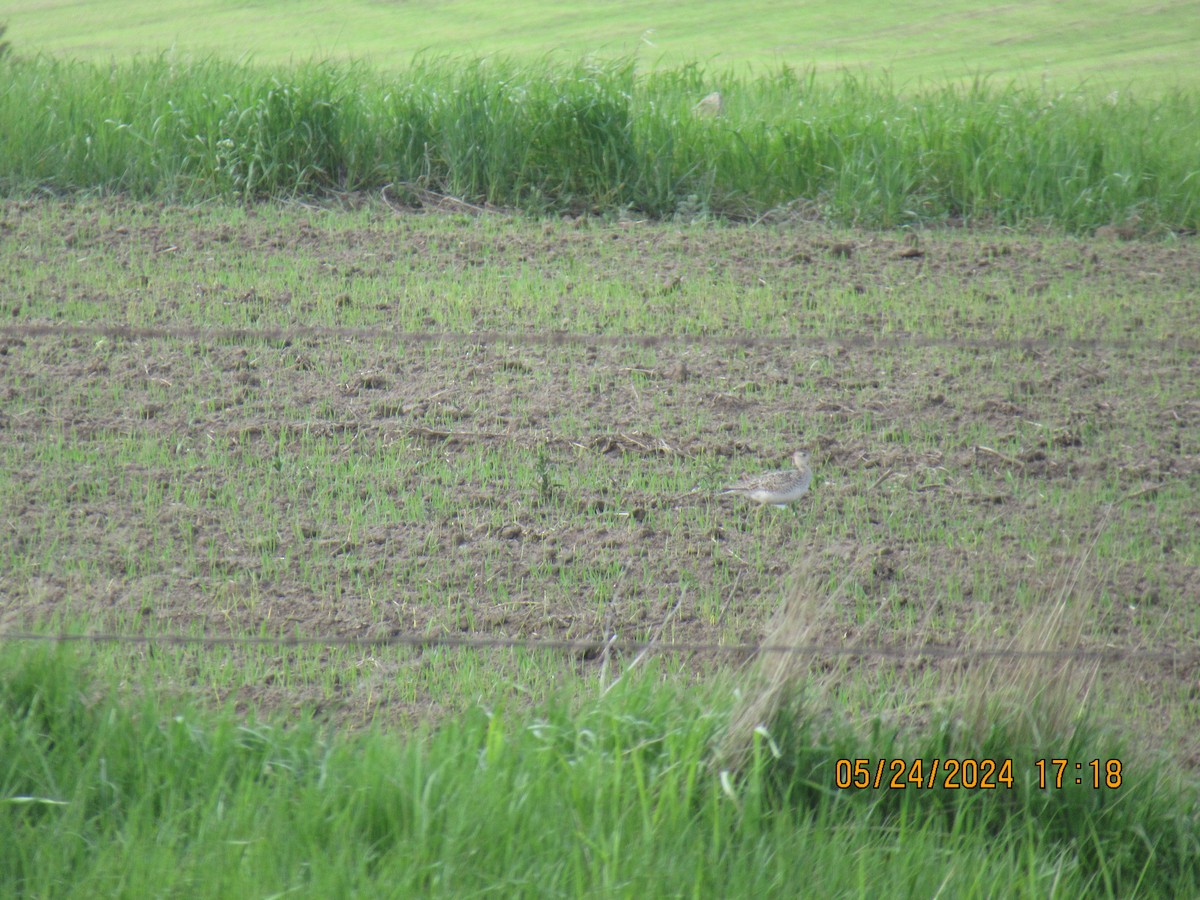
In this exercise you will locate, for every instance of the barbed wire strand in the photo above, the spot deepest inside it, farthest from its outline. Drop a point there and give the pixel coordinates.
(1106, 654)
(552, 338)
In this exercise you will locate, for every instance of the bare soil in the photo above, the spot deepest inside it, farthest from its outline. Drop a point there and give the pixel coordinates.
(990, 430)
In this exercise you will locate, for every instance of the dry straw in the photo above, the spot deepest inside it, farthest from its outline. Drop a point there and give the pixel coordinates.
(1035, 685)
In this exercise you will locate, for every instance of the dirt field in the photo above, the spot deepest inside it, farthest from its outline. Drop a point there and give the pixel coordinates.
(232, 426)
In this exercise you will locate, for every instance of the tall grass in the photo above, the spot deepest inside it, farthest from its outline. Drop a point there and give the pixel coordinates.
(104, 796)
(1024, 708)
(600, 137)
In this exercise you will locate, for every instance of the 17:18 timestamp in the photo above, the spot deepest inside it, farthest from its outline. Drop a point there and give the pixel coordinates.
(1098, 773)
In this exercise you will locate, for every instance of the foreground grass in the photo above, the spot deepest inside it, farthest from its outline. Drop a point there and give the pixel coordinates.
(123, 797)
(600, 137)
(1107, 45)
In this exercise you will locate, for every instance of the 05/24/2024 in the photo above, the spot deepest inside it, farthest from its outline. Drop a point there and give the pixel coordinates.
(974, 774)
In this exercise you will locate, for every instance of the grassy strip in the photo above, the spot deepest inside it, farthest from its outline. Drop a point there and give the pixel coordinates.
(600, 137)
(112, 797)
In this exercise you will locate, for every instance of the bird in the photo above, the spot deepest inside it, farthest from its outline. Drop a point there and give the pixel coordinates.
(776, 488)
(711, 105)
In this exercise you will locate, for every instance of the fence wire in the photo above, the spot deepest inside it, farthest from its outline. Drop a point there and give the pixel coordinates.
(562, 338)
(617, 645)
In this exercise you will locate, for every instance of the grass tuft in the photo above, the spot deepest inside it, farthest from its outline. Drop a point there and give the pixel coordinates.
(790, 738)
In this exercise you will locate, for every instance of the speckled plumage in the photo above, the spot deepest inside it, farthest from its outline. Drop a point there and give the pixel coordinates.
(778, 488)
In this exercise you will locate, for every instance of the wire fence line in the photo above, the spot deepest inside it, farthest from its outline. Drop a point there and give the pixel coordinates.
(563, 338)
(617, 645)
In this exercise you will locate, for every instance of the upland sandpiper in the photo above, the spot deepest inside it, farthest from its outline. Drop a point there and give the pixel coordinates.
(711, 105)
(777, 488)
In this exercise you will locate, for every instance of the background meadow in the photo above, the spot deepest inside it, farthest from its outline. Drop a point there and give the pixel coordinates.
(1105, 46)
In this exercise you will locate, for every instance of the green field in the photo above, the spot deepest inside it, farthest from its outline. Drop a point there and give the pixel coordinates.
(361, 423)
(1107, 45)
